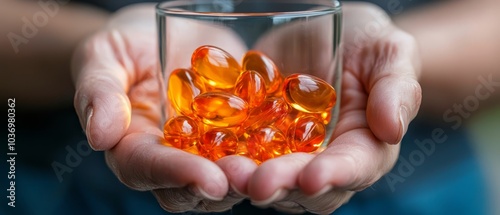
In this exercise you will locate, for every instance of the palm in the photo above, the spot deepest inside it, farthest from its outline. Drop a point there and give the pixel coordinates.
(118, 92)
(118, 101)
(379, 74)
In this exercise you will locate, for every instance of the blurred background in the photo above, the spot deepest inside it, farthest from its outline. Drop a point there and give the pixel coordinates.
(57, 173)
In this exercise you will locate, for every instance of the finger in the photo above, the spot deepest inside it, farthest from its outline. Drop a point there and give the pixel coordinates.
(297, 202)
(394, 92)
(272, 181)
(142, 163)
(179, 200)
(289, 203)
(218, 206)
(392, 104)
(289, 207)
(101, 84)
(352, 162)
(238, 170)
(327, 203)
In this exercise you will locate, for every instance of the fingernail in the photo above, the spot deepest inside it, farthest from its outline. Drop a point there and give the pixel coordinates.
(323, 190)
(278, 195)
(205, 193)
(403, 121)
(90, 113)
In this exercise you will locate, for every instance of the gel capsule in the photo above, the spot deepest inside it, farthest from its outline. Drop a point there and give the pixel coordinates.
(181, 132)
(220, 109)
(265, 143)
(237, 130)
(326, 116)
(284, 123)
(242, 149)
(254, 60)
(250, 87)
(183, 86)
(308, 93)
(217, 143)
(219, 69)
(306, 134)
(270, 111)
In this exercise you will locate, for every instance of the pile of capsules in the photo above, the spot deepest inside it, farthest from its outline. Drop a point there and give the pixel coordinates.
(224, 108)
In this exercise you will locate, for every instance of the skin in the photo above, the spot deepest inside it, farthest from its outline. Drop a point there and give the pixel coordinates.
(113, 75)
(117, 102)
(114, 71)
(362, 149)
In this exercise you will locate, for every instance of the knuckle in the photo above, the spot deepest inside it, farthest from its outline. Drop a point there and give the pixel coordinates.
(399, 38)
(398, 44)
(370, 8)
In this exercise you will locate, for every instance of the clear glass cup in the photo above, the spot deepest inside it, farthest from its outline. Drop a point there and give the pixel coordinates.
(299, 36)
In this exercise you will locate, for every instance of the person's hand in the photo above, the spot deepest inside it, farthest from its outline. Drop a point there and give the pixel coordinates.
(117, 101)
(380, 96)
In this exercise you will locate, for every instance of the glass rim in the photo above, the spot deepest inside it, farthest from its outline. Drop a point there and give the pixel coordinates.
(164, 8)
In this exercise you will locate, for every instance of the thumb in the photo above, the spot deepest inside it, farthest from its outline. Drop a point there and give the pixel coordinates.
(101, 84)
(395, 93)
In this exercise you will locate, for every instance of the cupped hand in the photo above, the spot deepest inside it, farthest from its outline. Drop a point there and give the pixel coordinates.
(380, 95)
(117, 101)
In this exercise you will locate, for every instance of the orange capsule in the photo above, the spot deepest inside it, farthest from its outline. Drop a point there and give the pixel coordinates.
(217, 143)
(237, 130)
(326, 116)
(308, 93)
(242, 149)
(183, 86)
(284, 123)
(220, 109)
(270, 111)
(181, 132)
(217, 67)
(250, 87)
(265, 143)
(306, 134)
(255, 60)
